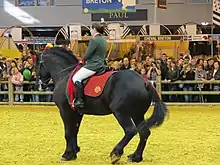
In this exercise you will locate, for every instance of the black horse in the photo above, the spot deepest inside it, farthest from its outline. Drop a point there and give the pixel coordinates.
(126, 95)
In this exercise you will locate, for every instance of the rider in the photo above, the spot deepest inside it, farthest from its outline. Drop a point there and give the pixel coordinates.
(94, 61)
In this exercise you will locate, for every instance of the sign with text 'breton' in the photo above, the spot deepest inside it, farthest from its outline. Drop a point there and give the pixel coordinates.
(139, 15)
(201, 37)
(108, 6)
(162, 4)
(161, 38)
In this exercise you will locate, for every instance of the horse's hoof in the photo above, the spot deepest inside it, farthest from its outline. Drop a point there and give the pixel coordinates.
(135, 158)
(64, 159)
(115, 159)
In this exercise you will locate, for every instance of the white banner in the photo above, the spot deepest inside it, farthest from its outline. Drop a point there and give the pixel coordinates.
(115, 30)
(75, 32)
(201, 37)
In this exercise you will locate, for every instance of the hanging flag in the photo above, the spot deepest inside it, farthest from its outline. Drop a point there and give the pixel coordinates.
(162, 4)
(125, 32)
(64, 32)
(216, 12)
(181, 30)
(106, 31)
(143, 30)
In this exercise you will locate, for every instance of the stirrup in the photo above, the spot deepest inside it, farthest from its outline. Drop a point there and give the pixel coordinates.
(78, 103)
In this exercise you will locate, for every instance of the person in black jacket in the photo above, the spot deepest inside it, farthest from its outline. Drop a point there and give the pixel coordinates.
(214, 74)
(188, 74)
(173, 75)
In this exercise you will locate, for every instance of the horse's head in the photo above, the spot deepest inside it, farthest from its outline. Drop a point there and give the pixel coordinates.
(53, 64)
(43, 74)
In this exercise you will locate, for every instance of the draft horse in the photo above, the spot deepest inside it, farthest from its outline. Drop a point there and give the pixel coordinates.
(126, 95)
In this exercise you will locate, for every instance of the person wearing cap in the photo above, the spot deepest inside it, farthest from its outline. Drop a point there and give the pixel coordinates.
(94, 61)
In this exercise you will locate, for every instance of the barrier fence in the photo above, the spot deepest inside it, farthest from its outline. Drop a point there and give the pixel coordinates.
(11, 92)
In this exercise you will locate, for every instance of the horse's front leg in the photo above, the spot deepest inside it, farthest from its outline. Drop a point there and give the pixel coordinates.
(72, 121)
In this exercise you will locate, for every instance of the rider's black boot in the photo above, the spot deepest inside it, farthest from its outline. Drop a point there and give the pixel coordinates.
(78, 102)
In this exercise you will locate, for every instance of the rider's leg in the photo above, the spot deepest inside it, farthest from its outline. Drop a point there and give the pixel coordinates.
(82, 74)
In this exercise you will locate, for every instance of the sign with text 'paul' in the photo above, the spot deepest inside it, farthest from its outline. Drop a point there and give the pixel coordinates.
(139, 15)
(108, 6)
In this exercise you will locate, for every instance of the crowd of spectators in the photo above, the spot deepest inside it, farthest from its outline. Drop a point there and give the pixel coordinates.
(186, 67)
(20, 70)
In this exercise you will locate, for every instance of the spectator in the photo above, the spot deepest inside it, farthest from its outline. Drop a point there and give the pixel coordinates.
(8, 67)
(200, 74)
(188, 74)
(164, 67)
(205, 66)
(187, 54)
(126, 64)
(173, 75)
(214, 74)
(143, 74)
(17, 80)
(180, 64)
(27, 74)
(210, 63)
(133, 67)
(116, 66)
(132, 61)
(139, 67)
(199, 62)
(153, 72)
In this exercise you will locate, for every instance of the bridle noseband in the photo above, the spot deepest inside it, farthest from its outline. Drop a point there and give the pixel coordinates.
(41, 63)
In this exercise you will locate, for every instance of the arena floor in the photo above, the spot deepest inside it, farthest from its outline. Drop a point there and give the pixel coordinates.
(34, 136)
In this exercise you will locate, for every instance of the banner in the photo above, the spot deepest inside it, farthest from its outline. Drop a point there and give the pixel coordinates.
(75, 32)
(163, 38)
(216, 12)
(162, 4)
(108, 6)
(139, 15)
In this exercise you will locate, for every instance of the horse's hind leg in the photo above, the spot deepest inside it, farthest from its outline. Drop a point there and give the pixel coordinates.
(71, 120)
(130, 130)
(144, 133)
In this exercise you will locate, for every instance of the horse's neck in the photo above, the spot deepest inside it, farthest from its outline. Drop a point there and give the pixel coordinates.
(59, 73)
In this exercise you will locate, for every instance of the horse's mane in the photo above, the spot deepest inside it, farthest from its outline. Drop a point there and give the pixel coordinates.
(63, 53)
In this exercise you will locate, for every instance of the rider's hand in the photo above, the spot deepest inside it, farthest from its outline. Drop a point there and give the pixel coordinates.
(82, 61)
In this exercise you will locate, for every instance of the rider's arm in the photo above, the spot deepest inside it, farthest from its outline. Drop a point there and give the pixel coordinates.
(90, 50)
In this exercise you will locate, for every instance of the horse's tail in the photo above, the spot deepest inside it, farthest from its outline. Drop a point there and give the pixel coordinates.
(160, 109)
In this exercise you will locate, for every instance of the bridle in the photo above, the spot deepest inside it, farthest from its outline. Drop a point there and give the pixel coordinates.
(42, 64)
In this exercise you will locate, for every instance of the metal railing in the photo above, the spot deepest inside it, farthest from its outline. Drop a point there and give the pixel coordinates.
(11, 93)
(159, 84)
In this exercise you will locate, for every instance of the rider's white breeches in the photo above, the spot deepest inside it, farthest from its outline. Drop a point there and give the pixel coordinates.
(82, 74)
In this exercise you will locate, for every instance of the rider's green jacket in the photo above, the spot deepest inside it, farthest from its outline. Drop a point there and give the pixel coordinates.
(95, 54)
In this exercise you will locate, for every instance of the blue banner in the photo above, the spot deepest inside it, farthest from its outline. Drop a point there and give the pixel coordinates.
(108, 6)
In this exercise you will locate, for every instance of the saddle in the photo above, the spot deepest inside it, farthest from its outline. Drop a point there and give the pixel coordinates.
(93, 86)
